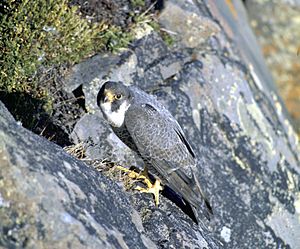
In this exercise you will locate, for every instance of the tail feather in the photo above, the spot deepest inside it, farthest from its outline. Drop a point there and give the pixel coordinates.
(194, 211)
(195, 202)
(208, 212)
(190, 190)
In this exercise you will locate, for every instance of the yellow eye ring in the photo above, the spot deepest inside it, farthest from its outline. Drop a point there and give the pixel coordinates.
(118, 96)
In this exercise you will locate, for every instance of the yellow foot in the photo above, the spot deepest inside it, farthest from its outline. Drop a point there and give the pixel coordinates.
(151, 188)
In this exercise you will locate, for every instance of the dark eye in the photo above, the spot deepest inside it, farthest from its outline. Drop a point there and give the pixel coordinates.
(118, 96)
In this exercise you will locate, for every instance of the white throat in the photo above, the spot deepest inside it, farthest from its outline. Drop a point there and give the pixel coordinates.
(117, 117)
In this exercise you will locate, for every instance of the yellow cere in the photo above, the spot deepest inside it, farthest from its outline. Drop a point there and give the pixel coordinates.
(110, 96)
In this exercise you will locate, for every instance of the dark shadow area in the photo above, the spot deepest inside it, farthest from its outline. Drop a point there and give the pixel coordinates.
(30, 112)
(159, 4)
(179, 202)
(79, 96)
(117, 12)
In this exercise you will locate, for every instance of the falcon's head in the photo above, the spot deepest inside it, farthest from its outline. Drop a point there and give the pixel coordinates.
(114, 100)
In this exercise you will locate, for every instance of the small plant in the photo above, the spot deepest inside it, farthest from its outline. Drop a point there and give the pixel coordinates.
(138, 3)
(40, 37)
(36, 33)
(115, 38)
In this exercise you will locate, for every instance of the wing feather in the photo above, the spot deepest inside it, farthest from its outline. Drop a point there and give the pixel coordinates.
(158, 137)
(163, 144)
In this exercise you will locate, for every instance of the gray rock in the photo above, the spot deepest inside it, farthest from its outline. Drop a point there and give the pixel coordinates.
(49, 199)
(224, 98)
(276, 24)
(188, 25)
(220, 91)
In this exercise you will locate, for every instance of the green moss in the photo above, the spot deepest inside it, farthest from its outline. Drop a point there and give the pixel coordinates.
(36, 33)
(37, 36)
(167, 38)
(138, 3)
(42, 34)
(115, 38)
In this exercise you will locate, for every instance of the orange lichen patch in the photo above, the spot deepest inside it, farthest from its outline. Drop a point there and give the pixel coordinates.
(293, 101)
(269, 49)
(232, 8)
(296, 67)
(278, 35)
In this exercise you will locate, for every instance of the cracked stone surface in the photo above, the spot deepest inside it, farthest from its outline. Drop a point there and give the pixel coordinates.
(221, 93)
(49, 199)
(224, 98)
(277, 32)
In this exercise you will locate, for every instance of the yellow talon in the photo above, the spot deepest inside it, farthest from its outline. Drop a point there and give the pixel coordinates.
(151, 188)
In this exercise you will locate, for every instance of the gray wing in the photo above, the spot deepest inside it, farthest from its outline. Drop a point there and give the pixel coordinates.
(161, 142)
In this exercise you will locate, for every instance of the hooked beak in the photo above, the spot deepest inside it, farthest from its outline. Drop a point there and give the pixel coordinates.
(109, 97)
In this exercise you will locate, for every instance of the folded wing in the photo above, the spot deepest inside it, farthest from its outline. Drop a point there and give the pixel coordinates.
(161, 142)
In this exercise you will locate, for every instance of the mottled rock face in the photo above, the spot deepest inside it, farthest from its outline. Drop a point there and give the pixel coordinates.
(48, 199)
(222, 95)
(276, 26)
(247, 152)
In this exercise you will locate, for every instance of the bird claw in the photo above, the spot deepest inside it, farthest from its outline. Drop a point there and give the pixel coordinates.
(152, 189)
(144, 177)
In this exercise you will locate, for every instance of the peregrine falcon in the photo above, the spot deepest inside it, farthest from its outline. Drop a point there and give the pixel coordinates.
(149, 129)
